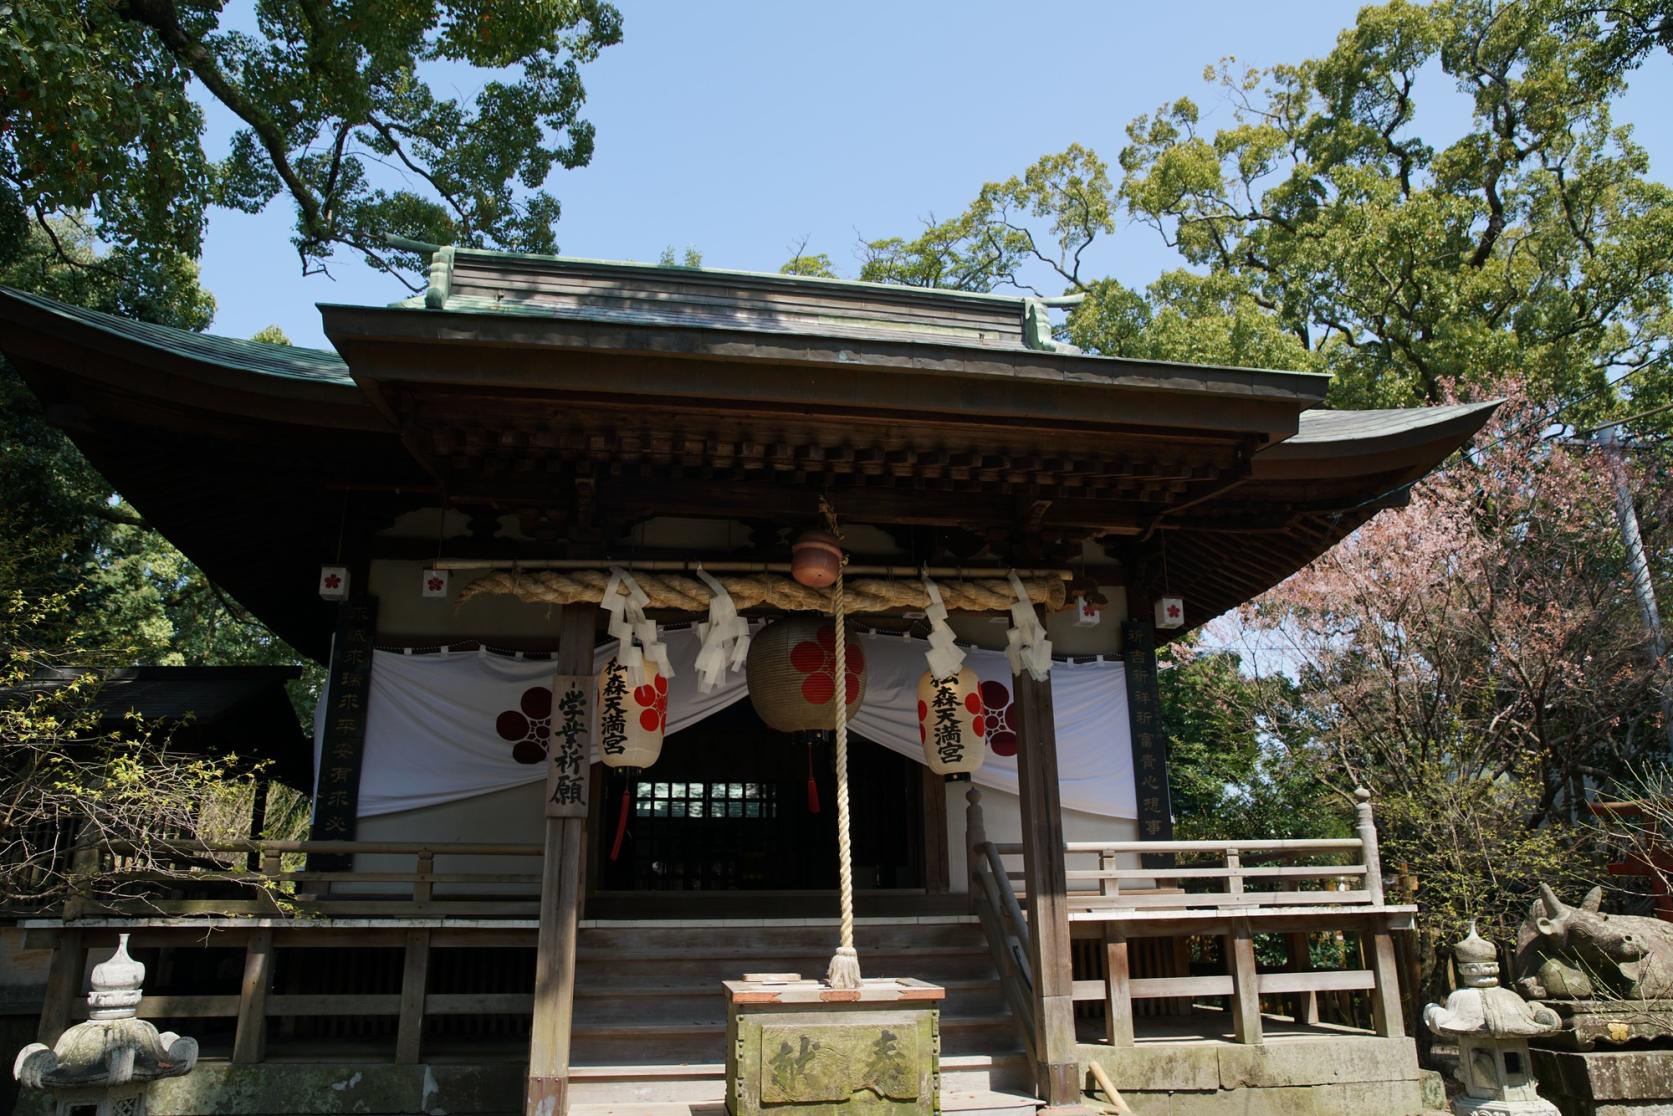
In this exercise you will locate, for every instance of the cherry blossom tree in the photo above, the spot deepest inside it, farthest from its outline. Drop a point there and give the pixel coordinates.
(1477, 660)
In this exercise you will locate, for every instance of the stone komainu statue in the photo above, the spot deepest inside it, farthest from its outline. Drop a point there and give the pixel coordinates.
(1580, 953)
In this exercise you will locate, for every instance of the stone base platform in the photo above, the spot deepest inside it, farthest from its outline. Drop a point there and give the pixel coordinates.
(1303, 1074)
(1606, 1082)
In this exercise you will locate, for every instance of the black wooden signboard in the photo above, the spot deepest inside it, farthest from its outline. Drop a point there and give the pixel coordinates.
(1150, 742)
(348, 692)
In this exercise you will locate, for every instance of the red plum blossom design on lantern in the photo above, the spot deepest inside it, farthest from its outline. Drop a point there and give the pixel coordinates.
(998, 720)
(529, 726)
(332, 581)
(652, 699)
(816, 658)
(436, 584)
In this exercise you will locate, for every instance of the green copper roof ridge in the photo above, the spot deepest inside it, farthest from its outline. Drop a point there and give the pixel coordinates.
(1145, 364)
(1019, 300)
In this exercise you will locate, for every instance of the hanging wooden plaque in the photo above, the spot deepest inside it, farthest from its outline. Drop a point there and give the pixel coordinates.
(569, 749)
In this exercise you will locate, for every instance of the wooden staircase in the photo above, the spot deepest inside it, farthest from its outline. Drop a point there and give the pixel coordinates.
(649, 1031)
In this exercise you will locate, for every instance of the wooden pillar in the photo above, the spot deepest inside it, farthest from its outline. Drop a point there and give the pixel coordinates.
(1299, 946)
(415, 979)
(63, 985)
(1057, 1065)
(1386, 1016)
(1118, 991)
(249, 1041)
(937, 872)
(568, 769)
(1246, 983)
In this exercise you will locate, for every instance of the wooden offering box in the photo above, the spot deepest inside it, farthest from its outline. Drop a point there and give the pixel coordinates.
(796, 1045)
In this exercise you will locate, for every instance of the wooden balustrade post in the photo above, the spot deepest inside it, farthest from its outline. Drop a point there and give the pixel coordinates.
(1386, 1013)
(975, 836)
(1057, 1062)
(423, 888)
(1367, 834)
(547, 1093)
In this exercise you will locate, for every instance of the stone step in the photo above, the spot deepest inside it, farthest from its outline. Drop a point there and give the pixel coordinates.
(976, 1103)
(627, 1003)
(697, 1083)
(649, 1032)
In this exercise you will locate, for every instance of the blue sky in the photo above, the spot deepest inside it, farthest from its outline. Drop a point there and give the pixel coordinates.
(742, 128)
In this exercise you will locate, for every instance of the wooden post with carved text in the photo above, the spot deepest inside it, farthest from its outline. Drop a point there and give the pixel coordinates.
(1057, 1063)
(569, 755)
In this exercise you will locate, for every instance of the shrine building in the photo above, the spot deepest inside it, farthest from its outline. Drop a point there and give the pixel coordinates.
(564, 534)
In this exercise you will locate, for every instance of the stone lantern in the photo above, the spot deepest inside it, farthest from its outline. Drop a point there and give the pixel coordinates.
(104, 1066)
(1492, 1026)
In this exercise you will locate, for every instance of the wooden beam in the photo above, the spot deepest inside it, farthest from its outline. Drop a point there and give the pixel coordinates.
(1057, 1063)
(250, 1040)
(560, 899)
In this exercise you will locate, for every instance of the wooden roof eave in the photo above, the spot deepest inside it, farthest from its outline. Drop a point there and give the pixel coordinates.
(52, 345)
(515, 351)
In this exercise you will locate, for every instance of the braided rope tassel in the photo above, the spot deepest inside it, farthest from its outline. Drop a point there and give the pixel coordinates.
(845, 964)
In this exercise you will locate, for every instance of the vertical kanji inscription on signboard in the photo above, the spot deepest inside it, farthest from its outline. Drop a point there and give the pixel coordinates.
(347, 695)
(1150, 742)
(570, 748)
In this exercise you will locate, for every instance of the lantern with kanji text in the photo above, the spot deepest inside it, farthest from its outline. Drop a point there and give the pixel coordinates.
(631, 718)
(951, 723)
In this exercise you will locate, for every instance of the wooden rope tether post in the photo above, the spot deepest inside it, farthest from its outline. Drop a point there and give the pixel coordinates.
(844, 971)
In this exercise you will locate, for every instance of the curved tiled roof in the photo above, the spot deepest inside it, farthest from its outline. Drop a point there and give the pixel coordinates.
(289, 361)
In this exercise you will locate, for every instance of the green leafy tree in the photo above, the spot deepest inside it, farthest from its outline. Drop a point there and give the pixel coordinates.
(816, 265)
(1239, 766)
(270, 335)
(96, 121)
(691, 257)
(1325, 231)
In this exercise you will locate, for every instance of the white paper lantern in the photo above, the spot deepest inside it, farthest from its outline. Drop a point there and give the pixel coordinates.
(631, 719)
(1170, 612)
(951, 722)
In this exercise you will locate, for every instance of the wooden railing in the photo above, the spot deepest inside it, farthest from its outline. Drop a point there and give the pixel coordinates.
(185, 878)
(257, 999)
(1229, 890)
(1003, 921)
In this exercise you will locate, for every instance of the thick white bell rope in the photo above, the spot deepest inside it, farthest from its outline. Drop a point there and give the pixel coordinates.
(1026, 644)
(628, 624)
(944, 654)
(725, 637)
(844, 971)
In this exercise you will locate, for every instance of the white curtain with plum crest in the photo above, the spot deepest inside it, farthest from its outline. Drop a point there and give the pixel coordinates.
(448, 725)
